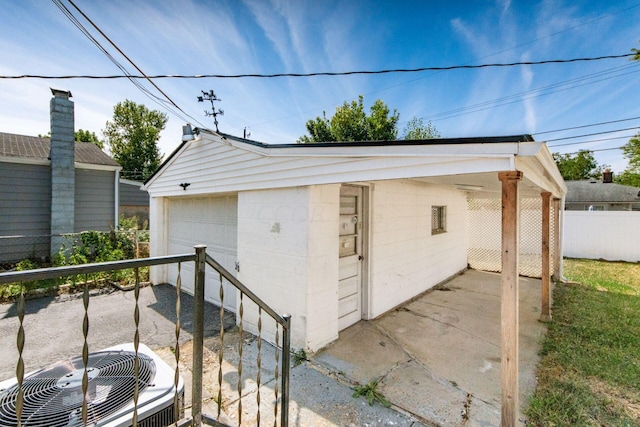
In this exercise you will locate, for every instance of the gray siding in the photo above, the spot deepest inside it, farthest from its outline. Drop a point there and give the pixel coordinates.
(131, 195)
(25, 210)
(95, 200)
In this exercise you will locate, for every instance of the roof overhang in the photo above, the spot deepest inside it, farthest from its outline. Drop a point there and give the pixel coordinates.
(469, 164)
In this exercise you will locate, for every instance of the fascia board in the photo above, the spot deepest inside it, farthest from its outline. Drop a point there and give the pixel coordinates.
(465, 150)
(25, 160)
(92, 166)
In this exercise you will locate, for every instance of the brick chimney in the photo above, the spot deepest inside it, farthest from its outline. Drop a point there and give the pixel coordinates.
(63, 173)
(607, 177)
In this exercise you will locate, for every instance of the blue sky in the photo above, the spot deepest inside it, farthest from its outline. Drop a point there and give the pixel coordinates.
(273, 36)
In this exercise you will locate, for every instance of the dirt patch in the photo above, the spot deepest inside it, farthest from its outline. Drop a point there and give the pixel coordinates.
(621, 400)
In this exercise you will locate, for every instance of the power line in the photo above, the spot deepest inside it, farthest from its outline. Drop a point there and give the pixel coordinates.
(530, 94)
(586, 126)
(161, 102)
(321, 73)
(123, 54)
(592, 140)
(594, 151)
(592, 134)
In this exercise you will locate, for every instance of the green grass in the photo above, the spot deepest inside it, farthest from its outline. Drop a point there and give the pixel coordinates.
(590, 368)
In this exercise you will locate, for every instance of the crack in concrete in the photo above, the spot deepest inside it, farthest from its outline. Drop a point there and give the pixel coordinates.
(424, 316)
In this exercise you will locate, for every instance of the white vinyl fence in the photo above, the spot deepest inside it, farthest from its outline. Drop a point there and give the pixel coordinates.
(610, 235)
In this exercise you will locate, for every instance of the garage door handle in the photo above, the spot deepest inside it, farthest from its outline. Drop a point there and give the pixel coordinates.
(360, 257)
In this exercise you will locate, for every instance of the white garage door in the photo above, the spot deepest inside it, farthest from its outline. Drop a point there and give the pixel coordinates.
(211, 221)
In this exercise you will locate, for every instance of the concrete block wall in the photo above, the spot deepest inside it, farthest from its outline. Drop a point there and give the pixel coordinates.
(62, 166)
(405, 259)
(287, 249)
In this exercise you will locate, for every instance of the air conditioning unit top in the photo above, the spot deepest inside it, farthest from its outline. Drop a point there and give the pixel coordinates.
(53, 395)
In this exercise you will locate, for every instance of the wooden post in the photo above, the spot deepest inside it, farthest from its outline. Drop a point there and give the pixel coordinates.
(556, 239)
(509, 302)
(545, 312)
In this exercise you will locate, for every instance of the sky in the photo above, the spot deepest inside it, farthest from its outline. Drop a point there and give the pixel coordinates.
(277, 36)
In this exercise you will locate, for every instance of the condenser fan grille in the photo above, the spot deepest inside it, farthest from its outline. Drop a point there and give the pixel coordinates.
(53, 396)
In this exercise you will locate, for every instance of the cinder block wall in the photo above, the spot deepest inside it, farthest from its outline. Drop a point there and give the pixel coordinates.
(405, 258)
(287, 249)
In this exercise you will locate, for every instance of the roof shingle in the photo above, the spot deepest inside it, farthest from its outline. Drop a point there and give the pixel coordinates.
(33, 147)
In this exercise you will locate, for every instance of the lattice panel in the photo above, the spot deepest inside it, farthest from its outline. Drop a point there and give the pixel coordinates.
(485, 236)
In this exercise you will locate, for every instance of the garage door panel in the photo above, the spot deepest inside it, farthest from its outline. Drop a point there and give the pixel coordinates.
(211, 221)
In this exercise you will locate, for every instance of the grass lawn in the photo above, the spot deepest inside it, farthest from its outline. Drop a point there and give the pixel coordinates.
(589, 374)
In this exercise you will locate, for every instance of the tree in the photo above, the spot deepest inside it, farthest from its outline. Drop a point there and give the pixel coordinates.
(581, 165)
(132, 137)
(351, 123)
(81, 136)
(87, 136)
(417, 129)
(631, 151)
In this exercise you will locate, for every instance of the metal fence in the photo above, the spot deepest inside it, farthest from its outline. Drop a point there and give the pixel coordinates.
(89, 398)
(37, 247)
(485, 236)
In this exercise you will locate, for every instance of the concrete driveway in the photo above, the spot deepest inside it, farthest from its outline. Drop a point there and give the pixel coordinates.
(53, 325)
(438, 356)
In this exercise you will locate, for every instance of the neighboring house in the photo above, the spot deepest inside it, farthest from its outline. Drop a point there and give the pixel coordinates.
(338, 232)
(601, 196)
(133, 201)
(52, 186)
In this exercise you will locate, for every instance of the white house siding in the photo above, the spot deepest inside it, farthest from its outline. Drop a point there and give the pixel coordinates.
(288, 254)
(211, 221)
(405, 258)
(610, 235)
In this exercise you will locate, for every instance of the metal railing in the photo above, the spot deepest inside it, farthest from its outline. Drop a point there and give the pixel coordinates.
(201, 259)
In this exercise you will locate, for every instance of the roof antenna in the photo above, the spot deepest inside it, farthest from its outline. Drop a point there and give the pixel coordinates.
(211, 96)
(246, 134)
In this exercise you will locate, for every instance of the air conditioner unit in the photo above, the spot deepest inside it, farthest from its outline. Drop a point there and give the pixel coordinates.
(53, 395)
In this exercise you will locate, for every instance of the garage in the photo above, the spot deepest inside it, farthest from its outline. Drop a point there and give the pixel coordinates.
(212, 221)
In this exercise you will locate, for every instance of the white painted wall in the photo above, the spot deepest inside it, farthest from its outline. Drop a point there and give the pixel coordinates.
(158, 237)
(288, 254)
(610, 235)
(405, 258)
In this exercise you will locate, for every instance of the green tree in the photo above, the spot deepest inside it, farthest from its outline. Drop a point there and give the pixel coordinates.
(132, 137)
(87, 136)
(416, 128)
(631, 151)
(81, 136)
(581, 165)
(351, 123)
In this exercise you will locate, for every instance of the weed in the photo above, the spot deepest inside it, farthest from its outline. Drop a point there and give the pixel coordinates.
(299, 356)
(371, 393)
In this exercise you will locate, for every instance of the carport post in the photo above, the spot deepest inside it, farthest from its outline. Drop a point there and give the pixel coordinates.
(545, 312)
(509, 301)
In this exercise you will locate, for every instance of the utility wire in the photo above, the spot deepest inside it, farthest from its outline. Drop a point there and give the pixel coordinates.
(530, 94)
(140, 86)
(586, 126)
(592, 134)
(592, 140)
(321, 73)
(130, 61)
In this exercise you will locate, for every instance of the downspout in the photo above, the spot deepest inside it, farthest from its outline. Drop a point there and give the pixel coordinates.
(116, 203)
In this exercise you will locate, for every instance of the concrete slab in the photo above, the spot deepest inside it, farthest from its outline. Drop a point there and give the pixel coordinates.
(441, 351)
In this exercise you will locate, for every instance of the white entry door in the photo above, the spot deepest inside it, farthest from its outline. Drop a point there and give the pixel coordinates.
(351, 256)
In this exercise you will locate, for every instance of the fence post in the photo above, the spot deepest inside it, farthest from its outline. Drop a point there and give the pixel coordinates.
(198, 335)
(286, 367)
